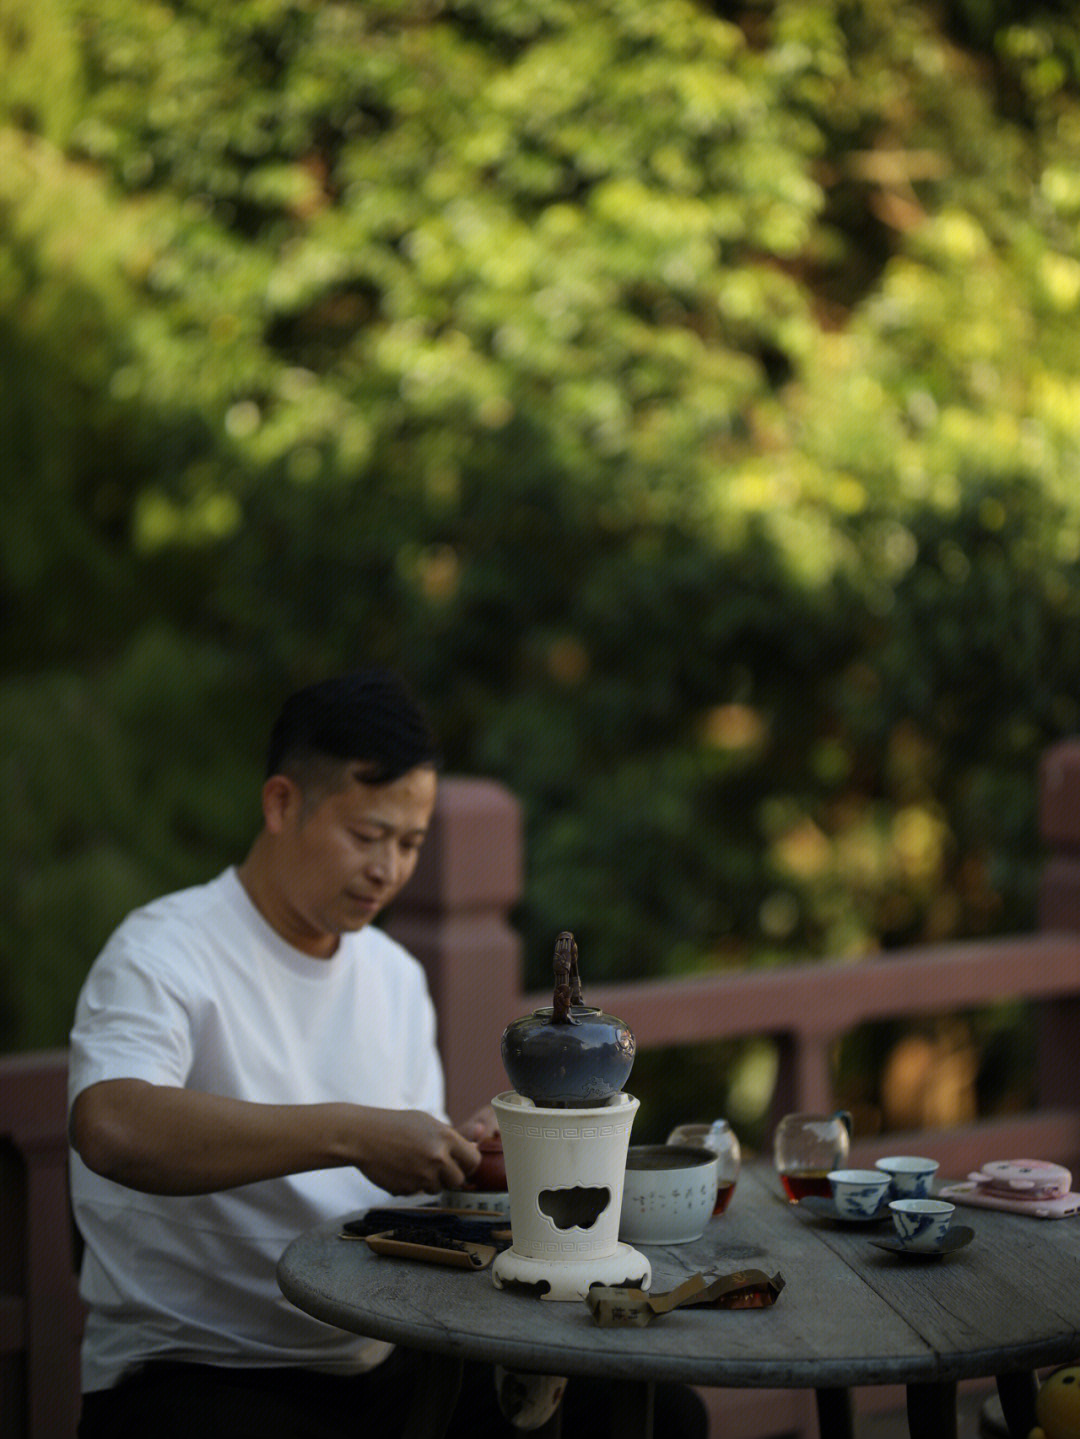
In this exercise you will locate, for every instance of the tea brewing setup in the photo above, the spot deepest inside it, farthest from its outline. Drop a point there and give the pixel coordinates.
(565, 1131)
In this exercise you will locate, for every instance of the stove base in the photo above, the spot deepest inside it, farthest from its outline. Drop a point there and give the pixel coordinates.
(571, 1278)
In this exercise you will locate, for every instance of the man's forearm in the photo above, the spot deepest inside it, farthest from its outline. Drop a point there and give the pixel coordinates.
(167, 1140)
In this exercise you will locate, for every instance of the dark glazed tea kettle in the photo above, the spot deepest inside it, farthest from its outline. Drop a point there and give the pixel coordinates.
(568, 1056)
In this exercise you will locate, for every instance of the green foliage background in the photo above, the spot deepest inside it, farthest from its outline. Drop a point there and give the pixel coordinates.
(685, 396)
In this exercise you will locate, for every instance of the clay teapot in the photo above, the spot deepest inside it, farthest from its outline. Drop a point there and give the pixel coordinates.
(490, 1175)
(568, 1055)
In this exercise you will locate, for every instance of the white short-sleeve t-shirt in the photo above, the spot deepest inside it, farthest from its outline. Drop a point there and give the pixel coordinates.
(198, 990)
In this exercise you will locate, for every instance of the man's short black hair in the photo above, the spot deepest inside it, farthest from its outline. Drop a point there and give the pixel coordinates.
(368, 717)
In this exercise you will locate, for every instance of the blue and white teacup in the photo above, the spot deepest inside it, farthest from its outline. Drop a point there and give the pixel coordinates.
(858, 1193)
(910, 1177)
(921, 1223)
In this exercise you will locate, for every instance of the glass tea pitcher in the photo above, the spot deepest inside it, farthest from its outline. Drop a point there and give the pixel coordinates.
(806, 1147)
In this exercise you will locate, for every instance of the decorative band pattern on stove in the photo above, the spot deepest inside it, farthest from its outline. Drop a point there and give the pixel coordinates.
(543, 1131)
(540, 1247)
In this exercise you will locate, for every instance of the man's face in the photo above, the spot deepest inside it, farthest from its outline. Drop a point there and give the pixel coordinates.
(344, 857)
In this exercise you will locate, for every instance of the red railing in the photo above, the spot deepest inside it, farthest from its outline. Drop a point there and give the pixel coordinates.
(40, 1312)
(455, 918)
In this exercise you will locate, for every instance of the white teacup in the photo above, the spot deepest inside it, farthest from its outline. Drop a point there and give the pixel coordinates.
(921, 1223)
(857, 1193)
(910, 1176)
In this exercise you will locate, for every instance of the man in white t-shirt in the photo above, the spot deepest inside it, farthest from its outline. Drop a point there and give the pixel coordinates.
(249, 1058)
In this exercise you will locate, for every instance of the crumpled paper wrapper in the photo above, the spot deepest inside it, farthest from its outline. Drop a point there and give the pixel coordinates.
(620, 1307)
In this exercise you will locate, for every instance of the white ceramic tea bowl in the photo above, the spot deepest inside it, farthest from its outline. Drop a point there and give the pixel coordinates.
(668, 1194)
(858, 1193)
(910, 1176)
(921, 1223)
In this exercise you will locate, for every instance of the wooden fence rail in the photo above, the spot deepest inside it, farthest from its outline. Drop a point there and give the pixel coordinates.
(454, 917)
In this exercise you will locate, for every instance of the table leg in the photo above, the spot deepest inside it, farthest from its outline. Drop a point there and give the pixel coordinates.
(632, 1403)
(931, 1411)
(434, 1397)
(835, 1416)
(1017, 1394)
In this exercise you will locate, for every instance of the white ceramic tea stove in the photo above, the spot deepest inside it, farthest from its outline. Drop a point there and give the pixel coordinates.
(565, 1169)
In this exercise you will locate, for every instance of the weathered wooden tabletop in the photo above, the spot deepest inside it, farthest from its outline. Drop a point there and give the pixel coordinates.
(850, 1314)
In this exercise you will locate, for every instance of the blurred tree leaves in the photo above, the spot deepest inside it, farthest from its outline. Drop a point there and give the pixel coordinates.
(685, 396)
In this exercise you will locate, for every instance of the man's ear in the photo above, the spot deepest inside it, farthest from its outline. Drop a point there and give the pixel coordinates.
(280, 800)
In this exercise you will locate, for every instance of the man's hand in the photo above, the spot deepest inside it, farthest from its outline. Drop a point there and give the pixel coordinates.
(481, 1125)
(406, 1150)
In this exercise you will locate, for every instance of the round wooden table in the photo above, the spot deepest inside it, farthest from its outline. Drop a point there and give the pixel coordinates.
(850, 1313)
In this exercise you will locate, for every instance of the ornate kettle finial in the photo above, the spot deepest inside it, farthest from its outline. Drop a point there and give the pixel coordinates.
(567, 980)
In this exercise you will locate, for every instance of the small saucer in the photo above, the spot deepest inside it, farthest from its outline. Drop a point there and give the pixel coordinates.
(824, 1208)
(959, 1236)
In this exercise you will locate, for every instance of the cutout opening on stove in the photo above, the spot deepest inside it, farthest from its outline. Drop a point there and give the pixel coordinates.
(575, 1208)
(536, 1287)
